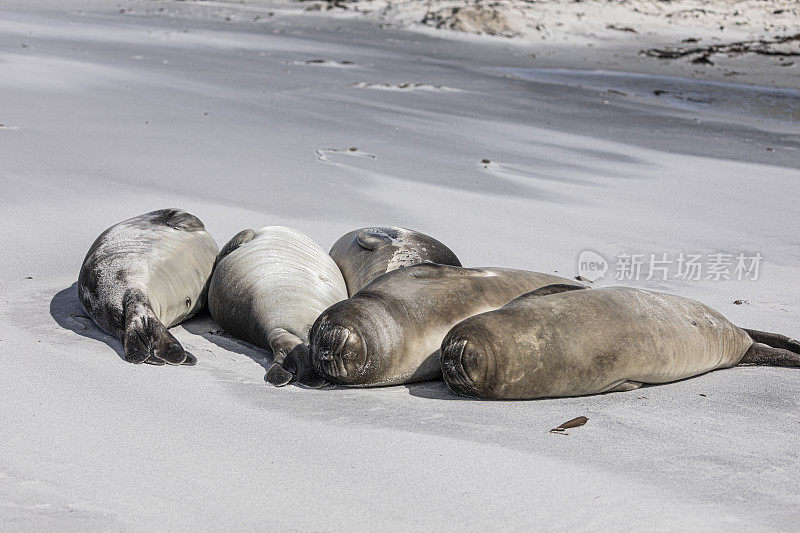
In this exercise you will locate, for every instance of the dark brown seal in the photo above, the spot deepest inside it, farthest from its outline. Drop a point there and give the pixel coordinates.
(364, 254)
(390, 332)
(544, 344)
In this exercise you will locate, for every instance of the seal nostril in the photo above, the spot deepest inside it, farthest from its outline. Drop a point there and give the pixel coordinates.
(333, 340)
(341, 340)
(332, 353)
(473, 363)
(464, 366)
(451, 361)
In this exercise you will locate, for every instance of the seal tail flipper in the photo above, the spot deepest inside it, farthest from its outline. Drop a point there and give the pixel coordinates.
(763, 354)
(154, 360)
(292, 361)
(145, 338)
(277, 376)
(774, 340)
(181, 220)
(246, 235)
(281, 342)
(771, 349)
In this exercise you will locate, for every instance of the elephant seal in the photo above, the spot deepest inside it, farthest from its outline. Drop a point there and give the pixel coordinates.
(268, 288)
(592, 341)
(364, 254)
(389, 332)
(147, 274)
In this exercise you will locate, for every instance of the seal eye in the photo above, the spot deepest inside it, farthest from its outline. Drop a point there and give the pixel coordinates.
(188, 302)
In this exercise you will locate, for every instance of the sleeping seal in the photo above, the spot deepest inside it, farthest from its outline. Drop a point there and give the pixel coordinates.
(268, 288)
(591, 341)
(145, 275)
(364, 254)
(389, 332)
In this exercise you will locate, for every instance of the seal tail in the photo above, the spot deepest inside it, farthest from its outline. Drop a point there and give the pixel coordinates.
(771, 349)
(291, 361)
(244, 236)
(146, 339)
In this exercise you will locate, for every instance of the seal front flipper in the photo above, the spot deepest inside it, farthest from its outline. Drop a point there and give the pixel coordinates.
(625, 386)
(246, 235)
(145, 338)
(281, 342)
(312, 380)
(182, 220)
(553, 289)
(436, 271)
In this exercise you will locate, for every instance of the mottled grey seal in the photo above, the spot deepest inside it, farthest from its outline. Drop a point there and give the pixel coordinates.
(389, 332)
(147, 274)
(592, 341)
(268, 288)
(364, 254)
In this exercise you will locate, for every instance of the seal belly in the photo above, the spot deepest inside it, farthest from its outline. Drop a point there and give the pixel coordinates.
(178, 280)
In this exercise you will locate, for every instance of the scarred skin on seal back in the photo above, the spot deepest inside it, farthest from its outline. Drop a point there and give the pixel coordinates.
(364, 254)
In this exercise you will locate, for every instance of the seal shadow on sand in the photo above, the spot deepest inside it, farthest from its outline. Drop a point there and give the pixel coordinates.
(67, 311)
(435, 389)
(205, 326)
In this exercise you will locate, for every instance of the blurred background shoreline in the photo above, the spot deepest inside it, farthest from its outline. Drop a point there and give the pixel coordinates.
(754, 42)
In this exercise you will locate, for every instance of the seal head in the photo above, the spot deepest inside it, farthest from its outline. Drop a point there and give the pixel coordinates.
(339, 350)
(468, 362)
(366, 253)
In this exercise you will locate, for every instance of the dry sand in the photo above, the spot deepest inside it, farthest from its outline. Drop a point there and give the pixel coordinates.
(109, 114)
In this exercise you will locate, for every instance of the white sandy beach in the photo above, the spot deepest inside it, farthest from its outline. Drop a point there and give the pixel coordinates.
(112, 109)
